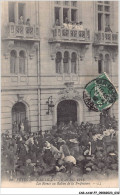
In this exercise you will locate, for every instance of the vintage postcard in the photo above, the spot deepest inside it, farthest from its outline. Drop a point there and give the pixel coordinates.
(59, 91)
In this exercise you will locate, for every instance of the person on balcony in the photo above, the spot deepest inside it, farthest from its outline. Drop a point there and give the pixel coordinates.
(80, 26)
(108, 29)
(65, 24)
(21, 22)
(66, 20)
(57, 22)
(70, 25)
(28, 22)
(74, 25)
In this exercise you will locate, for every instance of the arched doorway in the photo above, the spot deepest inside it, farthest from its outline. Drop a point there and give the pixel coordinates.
(18, 113)
(67, 111)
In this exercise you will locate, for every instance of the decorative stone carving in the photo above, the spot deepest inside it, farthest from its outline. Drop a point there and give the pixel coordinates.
(10, 44)
(113, 52)
(31, 55)
(33, 50)
(20, 97)
(101, 48)
(35, 46)
(69, 84)
(54, 48)
(82, 50)
(96, 57)
(69, 93)
(53, 56)
(7, 55)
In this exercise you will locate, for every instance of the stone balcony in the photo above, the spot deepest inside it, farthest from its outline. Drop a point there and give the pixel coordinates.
(106, 38)
(15, 31)
(61, 34)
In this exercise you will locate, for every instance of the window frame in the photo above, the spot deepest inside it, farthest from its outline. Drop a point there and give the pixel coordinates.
(103, 13)
(69, 7)
(57, 72)
(67, 57)
(16, 11)
(15, 66)
(70, 52)
(17, 72)
(21, 73)
(75, 72)
(104, 63)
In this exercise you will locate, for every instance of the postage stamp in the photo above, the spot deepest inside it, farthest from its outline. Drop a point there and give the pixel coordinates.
(59, 109)
(100, 94)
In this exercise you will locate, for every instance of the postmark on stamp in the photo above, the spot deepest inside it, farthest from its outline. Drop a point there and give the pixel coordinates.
(100, 94)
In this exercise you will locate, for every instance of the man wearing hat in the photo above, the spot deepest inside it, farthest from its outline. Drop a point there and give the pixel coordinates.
(63, 148)
(47, 154)
(74, 148)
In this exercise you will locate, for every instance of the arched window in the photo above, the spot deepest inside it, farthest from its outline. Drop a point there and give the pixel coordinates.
(58, 63)
(22, 62)
(66, 62)
(106, 63)
(100, 64)
(73, 63)
(13, 65)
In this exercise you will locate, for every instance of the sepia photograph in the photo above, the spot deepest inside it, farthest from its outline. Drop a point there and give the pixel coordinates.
(59, 94)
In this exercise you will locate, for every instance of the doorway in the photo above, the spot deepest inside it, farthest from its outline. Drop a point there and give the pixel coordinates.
(67, 111)
(18, 113)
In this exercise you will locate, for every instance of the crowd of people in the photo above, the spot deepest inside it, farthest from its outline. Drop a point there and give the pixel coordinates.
(72, 25)
(87, 146)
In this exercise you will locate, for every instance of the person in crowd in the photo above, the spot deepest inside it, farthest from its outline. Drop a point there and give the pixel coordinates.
(21, 22)
(69, 162)
(48, 157)
(27, 125)
(22, 152)
(28, 22)
(70, 126)
(51, 153)
(87, 153)
(29, 169)
(22, 129)
(63, 148)
(74, 148)
(33, 150)
(15, 127)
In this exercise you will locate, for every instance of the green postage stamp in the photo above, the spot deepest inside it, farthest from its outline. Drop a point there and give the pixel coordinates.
(100, 93)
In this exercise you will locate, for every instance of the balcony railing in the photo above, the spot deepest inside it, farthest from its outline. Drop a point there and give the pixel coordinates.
(62, 34)
(106, 38)
(22, 31)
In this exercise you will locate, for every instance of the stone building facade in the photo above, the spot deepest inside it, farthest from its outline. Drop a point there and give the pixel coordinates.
(45, 67)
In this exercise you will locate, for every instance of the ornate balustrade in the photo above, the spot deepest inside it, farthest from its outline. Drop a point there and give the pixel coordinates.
(106, 38)
(62, 34)
(22, 31)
